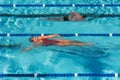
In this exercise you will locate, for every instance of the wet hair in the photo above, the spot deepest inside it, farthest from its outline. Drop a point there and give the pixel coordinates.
(84, 16)
(66, 18)
(31, 39)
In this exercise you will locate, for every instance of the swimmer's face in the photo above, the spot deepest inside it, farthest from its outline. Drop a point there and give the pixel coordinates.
(73, 17)
(34, 39)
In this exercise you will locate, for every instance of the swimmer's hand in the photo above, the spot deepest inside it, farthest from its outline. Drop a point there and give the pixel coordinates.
(26, 49)
(89, 44)
(58, 36)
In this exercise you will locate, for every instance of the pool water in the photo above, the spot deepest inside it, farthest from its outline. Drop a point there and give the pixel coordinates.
(102, 57)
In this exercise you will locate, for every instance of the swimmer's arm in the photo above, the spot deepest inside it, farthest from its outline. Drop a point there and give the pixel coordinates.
(55, 19)
(74, 13)
(28, 48)
(50, 36)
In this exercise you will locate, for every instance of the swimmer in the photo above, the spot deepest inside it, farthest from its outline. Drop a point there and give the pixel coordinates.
(50, 40)
(73, 16)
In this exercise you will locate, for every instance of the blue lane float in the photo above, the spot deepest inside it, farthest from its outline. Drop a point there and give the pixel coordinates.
(63, 75)
(67, 35)
(55, 15)
(59, 5)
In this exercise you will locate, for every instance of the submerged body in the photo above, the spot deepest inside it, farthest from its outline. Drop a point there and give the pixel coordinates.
(73, 16)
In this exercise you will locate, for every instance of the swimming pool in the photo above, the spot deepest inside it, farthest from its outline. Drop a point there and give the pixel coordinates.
(103, 57)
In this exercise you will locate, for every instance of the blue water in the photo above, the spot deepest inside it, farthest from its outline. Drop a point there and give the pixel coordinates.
(103, 57)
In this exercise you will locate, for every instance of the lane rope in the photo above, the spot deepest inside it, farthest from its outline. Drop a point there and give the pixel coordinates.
(59, 5)
(68, 35)
(63, 75)
(56, 15)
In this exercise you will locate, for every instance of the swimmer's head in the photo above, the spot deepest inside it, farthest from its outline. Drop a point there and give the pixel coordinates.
(31, 39)
(71, 17)
(84, 16)
(34, 40)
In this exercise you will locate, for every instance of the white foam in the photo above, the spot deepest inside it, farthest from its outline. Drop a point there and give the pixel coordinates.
(116, 74)
(76, 34)
(75, 74)
(8, 34)
(35, 75)
(110, 34)
(43, 5)
(14, 5)
(73, 5)
(103, 5)
(42, 34)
